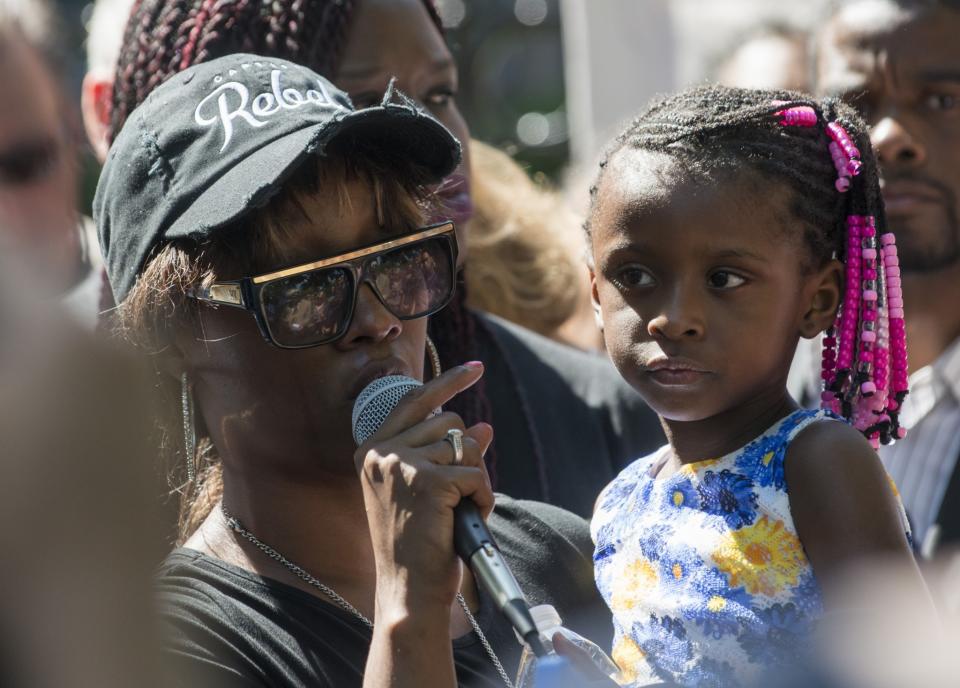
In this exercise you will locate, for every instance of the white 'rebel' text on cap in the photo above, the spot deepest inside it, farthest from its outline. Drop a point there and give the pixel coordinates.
(262, 108)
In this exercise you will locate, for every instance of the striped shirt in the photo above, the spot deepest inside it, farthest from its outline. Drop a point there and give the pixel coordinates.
(923, 462)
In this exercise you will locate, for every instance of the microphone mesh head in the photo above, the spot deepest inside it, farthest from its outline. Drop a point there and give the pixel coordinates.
(376, 401)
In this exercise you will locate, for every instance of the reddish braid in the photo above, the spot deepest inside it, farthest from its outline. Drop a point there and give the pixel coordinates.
(164, 37)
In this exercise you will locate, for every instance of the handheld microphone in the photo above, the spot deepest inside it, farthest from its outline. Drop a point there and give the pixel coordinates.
(472, 539)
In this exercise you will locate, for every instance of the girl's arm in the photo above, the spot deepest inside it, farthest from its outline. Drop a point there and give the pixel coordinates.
(846, 513)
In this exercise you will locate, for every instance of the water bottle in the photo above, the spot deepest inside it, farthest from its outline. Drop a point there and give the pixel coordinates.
(549, 624)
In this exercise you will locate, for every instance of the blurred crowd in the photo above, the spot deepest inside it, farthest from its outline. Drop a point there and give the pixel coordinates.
(87, 511)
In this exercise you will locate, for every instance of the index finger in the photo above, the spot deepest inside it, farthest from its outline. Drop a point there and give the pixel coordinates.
(420, 403)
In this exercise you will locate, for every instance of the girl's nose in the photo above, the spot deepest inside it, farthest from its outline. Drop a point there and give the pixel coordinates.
(680, 318)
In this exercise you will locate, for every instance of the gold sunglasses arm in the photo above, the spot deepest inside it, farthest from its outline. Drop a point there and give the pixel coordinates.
(222, 293)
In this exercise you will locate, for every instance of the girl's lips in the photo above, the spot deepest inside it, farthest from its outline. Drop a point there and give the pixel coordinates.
(676, 377)
(673, 372)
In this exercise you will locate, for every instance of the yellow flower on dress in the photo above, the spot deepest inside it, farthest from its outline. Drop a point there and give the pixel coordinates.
(763, 557)
(690, 470)
(637, 582)
(630, 658)
(716, 604)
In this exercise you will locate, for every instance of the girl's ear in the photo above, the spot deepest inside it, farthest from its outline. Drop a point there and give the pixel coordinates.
(595, 300)
(825, 287)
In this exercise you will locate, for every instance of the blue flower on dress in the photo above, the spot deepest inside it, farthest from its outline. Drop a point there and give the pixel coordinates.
(780, 636)
(806, 595)
(729, 495)
(764, 460)
(712, 673)
(655, 540)
(616, 493)
(666, 646)
(604, 550)
(682, 494)
(719, 610)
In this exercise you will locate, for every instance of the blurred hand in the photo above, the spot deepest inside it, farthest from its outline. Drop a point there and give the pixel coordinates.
(410, 490)
(582, 663)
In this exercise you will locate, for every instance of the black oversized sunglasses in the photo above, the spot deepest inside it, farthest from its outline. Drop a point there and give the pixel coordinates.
(413, 276)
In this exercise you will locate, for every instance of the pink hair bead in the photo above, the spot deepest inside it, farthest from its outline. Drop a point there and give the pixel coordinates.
(868, 336)
(798, 116)
(842, 184)
(888, 239)
(896, 312)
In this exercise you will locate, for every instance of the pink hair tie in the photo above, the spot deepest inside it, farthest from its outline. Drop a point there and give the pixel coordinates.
(797, 116)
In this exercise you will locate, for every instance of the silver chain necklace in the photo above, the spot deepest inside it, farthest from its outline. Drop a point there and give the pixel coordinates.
(300, 573)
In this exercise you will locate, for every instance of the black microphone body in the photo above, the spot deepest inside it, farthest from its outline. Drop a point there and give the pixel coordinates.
(472, 540)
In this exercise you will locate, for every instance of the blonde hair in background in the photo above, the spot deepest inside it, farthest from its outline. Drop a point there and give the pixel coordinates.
(158, 303)
(526, 253)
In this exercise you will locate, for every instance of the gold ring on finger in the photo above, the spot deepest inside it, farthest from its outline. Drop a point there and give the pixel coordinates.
(455, 438)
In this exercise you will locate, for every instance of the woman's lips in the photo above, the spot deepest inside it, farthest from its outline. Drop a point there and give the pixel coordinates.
(373, 372)
(455, 201)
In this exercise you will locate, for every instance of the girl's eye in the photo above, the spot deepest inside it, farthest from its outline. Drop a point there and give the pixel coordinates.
(632, 278)
(942, 102)
(722, 279)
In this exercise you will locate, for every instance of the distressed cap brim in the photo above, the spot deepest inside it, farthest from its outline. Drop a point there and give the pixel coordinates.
(253, 181)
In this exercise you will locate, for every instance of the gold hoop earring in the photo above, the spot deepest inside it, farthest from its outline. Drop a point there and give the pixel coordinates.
(434, 357)
(189, 427)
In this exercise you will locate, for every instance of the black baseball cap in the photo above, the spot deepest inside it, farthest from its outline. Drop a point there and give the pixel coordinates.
(219, 139)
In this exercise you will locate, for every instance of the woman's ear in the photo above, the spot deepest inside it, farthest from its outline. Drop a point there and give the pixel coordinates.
(595, 300)
(822, 297)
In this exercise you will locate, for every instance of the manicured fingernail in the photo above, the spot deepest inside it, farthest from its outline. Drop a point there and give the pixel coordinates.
(473, 364)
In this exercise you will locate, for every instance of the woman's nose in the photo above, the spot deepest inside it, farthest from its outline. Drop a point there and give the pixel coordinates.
(679, 318)
(372, 322)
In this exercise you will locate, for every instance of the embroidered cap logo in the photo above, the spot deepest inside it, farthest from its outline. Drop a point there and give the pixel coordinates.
(263, 106)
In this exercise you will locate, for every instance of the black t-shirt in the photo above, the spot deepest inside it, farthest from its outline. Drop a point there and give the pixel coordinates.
(225, 626)
(586, 421)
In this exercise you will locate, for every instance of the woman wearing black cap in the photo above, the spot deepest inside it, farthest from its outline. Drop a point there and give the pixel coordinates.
(566, 422)
(276, 284)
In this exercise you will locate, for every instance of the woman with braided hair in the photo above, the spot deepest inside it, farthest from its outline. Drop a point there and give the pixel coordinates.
(725, 225)
(552, 406)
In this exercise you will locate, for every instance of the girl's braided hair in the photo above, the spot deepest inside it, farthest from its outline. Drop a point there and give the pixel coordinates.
(164, 37)
(819, 150)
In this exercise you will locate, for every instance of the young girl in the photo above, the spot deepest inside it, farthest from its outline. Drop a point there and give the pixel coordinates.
(725, 224)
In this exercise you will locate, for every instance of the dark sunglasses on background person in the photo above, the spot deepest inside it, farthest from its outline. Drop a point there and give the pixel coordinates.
(413, 276)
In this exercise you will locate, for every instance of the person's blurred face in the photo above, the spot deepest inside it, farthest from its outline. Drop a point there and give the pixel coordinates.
(38, 174)
(902, 71)
(397, 38)
(770, 62)
(291, 409)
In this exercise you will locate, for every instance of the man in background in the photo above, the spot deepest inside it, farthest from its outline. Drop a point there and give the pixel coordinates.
(39, 223)
(898, 62)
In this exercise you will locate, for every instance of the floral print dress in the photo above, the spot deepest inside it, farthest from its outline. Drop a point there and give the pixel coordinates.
(703, 570)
